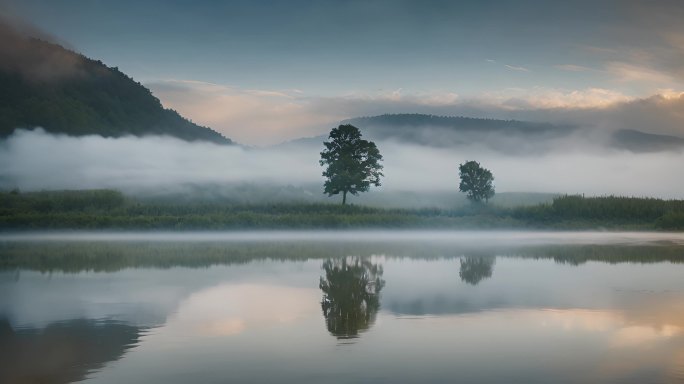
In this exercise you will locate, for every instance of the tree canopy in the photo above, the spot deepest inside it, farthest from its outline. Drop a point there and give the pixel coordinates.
(353, 164)
(476, 181)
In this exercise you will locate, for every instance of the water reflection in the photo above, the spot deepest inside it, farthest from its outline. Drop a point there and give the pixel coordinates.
(351, 295)
(476, 268)
(252, 313)
(62, 352)
(74, 257)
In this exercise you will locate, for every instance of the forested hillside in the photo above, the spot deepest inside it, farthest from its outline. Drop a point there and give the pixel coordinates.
(45, 85)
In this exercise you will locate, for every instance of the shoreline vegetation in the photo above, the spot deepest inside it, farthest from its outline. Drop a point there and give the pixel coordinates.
(112, 210)
(75, 257)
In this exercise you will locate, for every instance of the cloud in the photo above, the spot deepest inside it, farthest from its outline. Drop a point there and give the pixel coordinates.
(647, 45)
(264, 117)
(656, 114)
(514, 68)
(247, 116)
(627, 72)
(550, 98)
(572, 67)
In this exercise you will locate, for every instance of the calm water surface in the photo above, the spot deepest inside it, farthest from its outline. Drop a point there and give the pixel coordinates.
(348, 308)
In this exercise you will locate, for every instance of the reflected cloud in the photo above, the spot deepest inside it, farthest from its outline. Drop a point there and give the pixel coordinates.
(243, 309)
(227, 309)
(639, 335)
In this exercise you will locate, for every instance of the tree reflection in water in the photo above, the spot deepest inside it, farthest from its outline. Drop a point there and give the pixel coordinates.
(476, 268)
(351, 295)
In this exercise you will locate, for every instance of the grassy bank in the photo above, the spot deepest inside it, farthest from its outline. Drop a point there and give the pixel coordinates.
(107, 209)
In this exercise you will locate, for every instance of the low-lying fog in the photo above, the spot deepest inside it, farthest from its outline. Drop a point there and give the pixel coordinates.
(478, 239)
(35, 160)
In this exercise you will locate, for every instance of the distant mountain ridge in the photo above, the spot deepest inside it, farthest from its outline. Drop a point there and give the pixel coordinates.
(502, 135)
(399, 120)
(507, 136)
(511, 136)
(637, 141)
(45, 85)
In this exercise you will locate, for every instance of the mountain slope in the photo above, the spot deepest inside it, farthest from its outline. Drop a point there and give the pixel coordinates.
(45, 85)
(637, 141)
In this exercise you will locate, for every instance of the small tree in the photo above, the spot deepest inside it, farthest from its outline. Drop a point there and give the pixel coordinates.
(476, 181)
(353, 164)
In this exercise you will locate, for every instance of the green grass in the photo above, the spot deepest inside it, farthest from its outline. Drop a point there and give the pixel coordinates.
(108, 209)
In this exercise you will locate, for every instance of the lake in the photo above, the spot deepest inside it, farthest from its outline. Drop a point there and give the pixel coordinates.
(342, 307)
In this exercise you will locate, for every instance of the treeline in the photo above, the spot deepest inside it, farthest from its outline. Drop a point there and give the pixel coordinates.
(108, 209)
(662, 214)
(75, 257)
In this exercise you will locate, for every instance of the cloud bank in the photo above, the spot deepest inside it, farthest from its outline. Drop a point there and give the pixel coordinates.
(261, 117)
(34, 160)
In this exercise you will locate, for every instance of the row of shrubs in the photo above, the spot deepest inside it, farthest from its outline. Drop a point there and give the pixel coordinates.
(112, 209)
(662, 214)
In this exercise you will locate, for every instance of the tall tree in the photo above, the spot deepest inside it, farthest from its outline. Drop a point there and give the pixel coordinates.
(476, 181)
(353, 164)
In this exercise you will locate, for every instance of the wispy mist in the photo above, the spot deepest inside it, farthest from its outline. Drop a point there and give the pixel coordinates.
(20, 54)
(34, 160)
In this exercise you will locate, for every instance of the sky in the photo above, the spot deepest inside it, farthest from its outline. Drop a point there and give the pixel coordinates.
(263, 72)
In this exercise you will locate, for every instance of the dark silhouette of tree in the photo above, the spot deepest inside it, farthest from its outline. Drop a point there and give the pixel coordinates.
(353, 164)
(476, 268)
(351, 295)
(476, 181)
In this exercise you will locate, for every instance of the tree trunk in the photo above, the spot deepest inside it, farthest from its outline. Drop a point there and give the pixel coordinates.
(344, 197)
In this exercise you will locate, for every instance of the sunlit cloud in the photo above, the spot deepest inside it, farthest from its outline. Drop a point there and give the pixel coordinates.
(245, 307)
(549, 98)
(246, 116)
(263, 117)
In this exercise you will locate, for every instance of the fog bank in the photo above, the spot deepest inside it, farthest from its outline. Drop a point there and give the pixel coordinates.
(34, 160)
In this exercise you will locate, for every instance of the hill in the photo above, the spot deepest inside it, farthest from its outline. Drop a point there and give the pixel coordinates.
(402, 124)
(637, 141)
(454, 131)
(450, 131)
(45, 85)
(507, 136)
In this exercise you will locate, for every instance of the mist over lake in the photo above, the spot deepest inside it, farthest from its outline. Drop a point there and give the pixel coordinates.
(480, 306)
